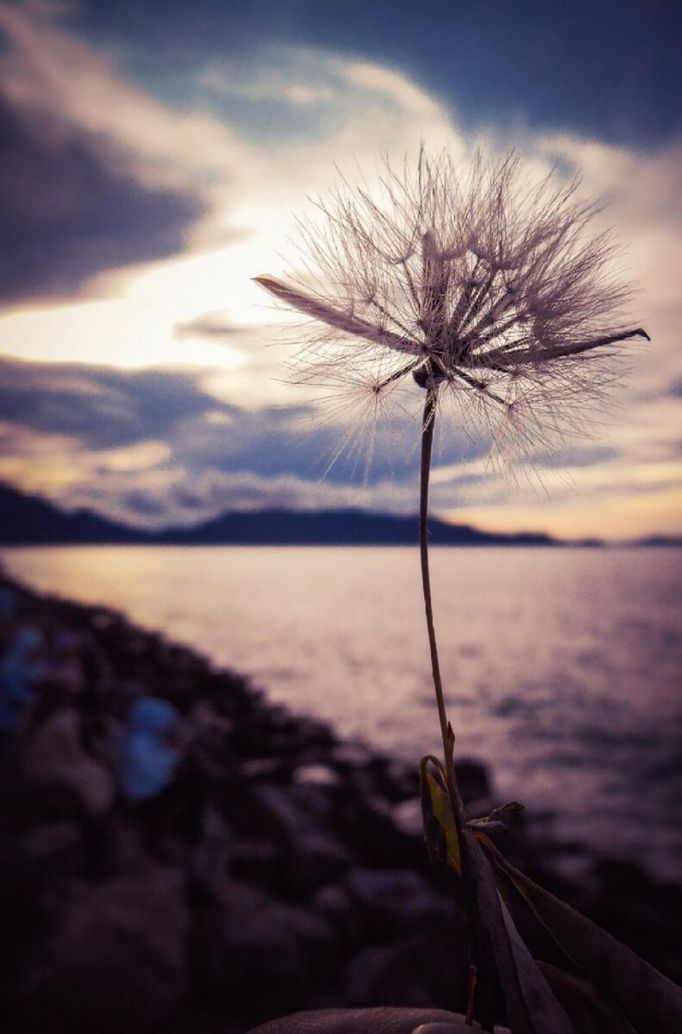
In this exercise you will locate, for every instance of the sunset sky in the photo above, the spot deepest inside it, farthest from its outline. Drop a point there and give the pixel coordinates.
(154, 157)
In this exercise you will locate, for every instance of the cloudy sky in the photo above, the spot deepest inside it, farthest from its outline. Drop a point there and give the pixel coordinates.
(155, 155)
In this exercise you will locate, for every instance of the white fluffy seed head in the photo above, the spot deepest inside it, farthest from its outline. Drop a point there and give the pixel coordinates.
(489, 291)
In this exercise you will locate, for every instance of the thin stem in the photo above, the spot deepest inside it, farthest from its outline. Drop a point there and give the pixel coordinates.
(428, 424)
(447, 735)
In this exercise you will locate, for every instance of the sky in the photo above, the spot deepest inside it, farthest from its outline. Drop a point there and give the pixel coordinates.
(156, 157)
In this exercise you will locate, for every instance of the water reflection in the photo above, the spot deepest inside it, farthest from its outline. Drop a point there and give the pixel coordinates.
(562, 666)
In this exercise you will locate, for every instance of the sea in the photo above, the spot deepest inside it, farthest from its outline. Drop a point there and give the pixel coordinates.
(562, 667)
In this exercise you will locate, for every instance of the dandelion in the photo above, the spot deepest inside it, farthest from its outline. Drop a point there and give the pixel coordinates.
(481, 290)
(476, 288)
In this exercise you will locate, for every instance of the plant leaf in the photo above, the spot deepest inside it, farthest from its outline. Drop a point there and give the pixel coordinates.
(530, 1004)
(651, 1002)
(442, 838)
(589, 1011)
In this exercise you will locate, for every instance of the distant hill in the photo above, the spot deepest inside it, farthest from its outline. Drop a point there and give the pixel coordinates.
(29, 520)
(335, 527)
(659, 540)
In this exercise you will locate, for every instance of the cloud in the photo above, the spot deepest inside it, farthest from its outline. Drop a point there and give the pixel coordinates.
(109, 412)
(642, 198)
(214, 326)
(101, 408)
(159, 447)
(96, 174)
(109, 438)
(66, 214)
(168, 210)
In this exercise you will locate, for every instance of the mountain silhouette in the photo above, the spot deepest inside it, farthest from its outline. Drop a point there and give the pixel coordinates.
(30, 520)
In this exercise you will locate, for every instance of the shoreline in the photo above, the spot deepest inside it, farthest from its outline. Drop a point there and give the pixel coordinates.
(279, 868)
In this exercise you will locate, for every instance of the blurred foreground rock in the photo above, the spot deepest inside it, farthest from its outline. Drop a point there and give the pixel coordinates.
(179, 855)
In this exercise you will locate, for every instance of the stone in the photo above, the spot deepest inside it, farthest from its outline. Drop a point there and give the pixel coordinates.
(51, 852)
(258, 956)
(264, 769)
(116, 963)
(316, 775)
(391, 902)
(368, 824)
(55, 756)
(409, 972)
(408, 817)
(334, 902)
(300, 816)
(473, 781)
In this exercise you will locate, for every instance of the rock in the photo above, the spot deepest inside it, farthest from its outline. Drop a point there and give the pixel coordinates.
(304, 879)
(473, 781)
(335, 903)
(301, 816)
(265, 770)
(391, 902)
(368, 824)
(209, 741)
(20, 670)
(408, 817)
(316, 859)
(55, 756)
(51, 853)
(351, 754)
(257, 956)
(316, 775)
(258, 862)
(36, 869)
(392, 779)
(118, 961)
(409, 972)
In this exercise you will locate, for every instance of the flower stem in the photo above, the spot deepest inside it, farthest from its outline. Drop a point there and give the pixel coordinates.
(428, 425)
(447, 735)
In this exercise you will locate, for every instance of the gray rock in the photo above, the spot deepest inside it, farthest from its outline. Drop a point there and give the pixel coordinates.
(118, 961)
(392, 901)
(256, 955)
(473, 781)
(257, 861)
(316, 775)
(415, 971)
(408, 817)
(335, 904)
(264, 769)
(56, 757)
(53, 852)
(368, 823)
(301, 816)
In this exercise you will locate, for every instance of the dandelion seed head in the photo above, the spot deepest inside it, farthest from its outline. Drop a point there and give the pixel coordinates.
(485, 288)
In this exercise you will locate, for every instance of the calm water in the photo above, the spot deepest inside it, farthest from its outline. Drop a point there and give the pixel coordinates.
(562, 666)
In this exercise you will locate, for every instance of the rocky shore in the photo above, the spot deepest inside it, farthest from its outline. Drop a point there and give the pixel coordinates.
(179, 855)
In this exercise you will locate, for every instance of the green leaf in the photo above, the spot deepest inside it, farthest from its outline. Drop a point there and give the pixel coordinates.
(440, 828)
